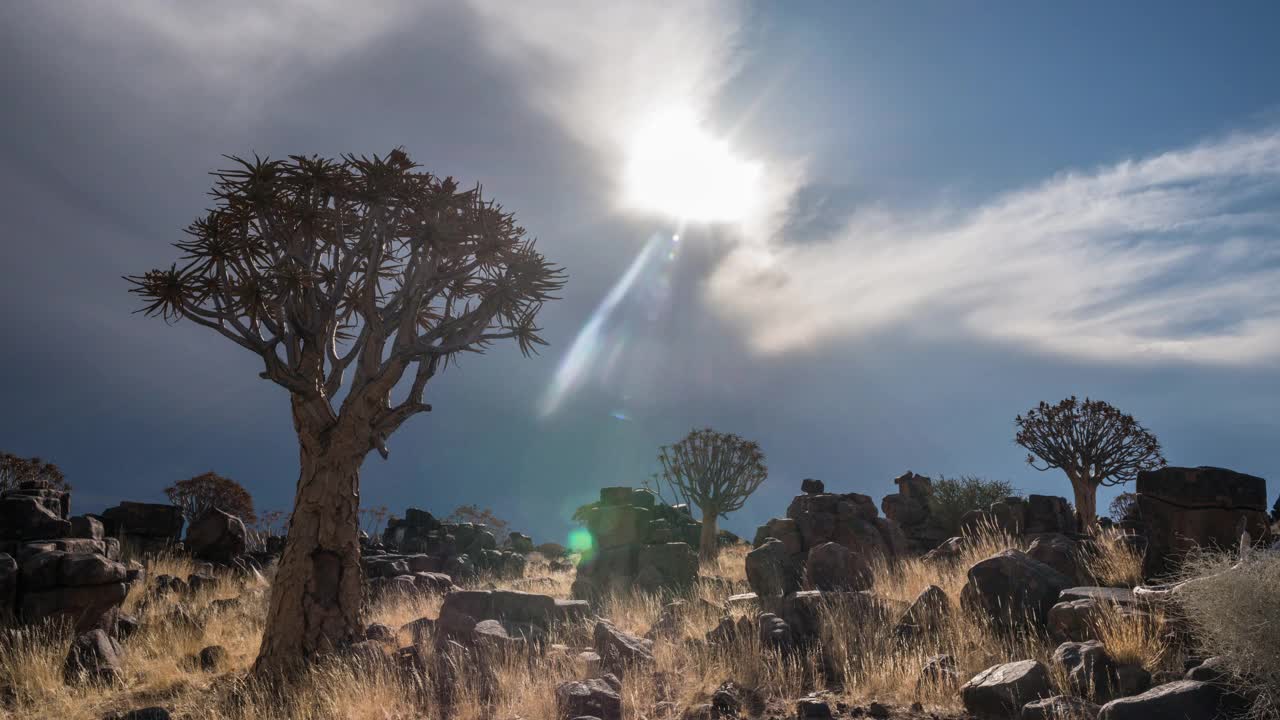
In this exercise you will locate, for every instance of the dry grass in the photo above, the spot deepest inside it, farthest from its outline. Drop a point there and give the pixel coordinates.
(858, 660)
(1113, 562)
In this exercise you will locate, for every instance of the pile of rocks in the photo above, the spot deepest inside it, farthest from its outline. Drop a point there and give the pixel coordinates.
(639, 543)
(824, 542)
(426, 544)
(56, 566)
(147, 527)
(911, 510)
(1030, 516)
(1181, 507)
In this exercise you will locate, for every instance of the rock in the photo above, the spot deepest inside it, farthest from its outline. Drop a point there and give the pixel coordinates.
(1089, 669)
(379, 632)
(619, 650)
(771, 570)
(216, 536)
(147, 713)
(939, 670)
(8, 588)
(519, 542)
(126, 626)
(153, 520)
(948, 551)
(88, 606)
(833, 567)
(878, 710)
(94, 657)
(775, 633)
(1074, 620)
(1060, 707)
(813, 709)
(1212, 670)
(670, 566)
(85, 526)
(726, 701)
(1048, 514)
(420, 629)
(1058, 552)
(729, 631)
(1181, 700)
(27, 518)
(213, 658)
(588, 698)
(911, 510)
(809, 486)
(1114, 596)
(1000, 691)
(1012, 588)
(1181, 507)
(926, 614)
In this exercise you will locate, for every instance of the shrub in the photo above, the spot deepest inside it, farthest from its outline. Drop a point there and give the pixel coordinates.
(14, 470)
(1234, 610)
(953, 497)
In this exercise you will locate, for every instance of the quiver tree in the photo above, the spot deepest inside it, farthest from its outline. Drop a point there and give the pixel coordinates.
(352, 273)
(1092, 442)
(210, 490)
(714, 472)
(15, 470)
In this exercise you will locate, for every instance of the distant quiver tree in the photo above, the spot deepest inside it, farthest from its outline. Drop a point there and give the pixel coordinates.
(211, 490)
(1092, 442)
(714, 472)
(351, 273)
(14, 470)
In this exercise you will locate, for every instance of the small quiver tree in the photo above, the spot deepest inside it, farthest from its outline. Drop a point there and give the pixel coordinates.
(1092, 442)
(348, 274)
(714, 472)
(210, 490)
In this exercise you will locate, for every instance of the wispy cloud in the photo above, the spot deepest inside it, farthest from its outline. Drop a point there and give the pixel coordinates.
(1175, 256)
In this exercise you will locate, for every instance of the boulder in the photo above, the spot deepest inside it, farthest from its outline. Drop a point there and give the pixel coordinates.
(146, 713)
(212, 658)
(1058, 552)
(519, 542)
(620, 650)
(8, 587)
(813, 709)
(833, 567)
(926, 614)
(588, 698)
(1181, 507)
(670, 566)
(26, 518)
(783, 529)
(1000, 691)
(1089, 669)
(810, 486)
(939, 670)
(87, 527)
(94, 657)
(771, 570)
(216, 536)
(775, 633)
(1048, 514)
(1012, 588)
(1181, 700)
(143, 519)
(1060, 707)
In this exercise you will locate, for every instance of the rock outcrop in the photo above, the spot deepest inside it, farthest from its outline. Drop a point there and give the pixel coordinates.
(1179, 508)
(910, 509)
(148, 527)
(638, 543)
(459, 550)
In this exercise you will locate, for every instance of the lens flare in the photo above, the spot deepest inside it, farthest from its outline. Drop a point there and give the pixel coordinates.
(580, 541)
(587, 347)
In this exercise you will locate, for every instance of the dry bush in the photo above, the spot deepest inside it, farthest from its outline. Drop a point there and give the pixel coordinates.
(1233, 607)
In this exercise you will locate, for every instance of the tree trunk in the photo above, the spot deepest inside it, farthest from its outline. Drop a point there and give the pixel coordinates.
(316, 594)
(1086, 504)
(708, 547)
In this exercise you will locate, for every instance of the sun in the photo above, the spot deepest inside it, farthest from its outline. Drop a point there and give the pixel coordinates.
(674, 167)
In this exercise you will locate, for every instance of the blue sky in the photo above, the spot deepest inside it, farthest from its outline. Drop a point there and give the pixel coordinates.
(960, 210)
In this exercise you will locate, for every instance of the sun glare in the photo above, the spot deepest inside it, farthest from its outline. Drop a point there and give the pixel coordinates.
(676, 168)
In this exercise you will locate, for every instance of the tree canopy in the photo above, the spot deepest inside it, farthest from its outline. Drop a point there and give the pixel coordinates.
(1093, 442)
(713, 471)
(210, 490)
(14, 470)
(953, 497)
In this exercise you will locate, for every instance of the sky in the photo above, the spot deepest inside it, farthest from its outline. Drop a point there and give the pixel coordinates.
(864, 235)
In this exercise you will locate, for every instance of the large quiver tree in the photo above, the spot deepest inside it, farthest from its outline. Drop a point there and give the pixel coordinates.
(1092, 442)
(714, 472)
(210, 490)
(357, 272)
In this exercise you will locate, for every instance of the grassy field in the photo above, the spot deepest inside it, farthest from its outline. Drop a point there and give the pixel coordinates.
(857, 662)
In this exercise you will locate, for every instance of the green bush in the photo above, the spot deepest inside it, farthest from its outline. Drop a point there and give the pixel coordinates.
(953, 497)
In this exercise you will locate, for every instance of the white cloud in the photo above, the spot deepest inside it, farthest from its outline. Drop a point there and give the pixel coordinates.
(1176, 256)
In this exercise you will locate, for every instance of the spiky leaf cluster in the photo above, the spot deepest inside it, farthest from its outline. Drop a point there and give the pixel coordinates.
(714, 471)
(360, 263)
(1091, 440)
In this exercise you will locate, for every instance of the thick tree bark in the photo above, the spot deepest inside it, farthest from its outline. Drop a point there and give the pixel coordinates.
(316, 594)
(1086, 503)
(708, 547)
